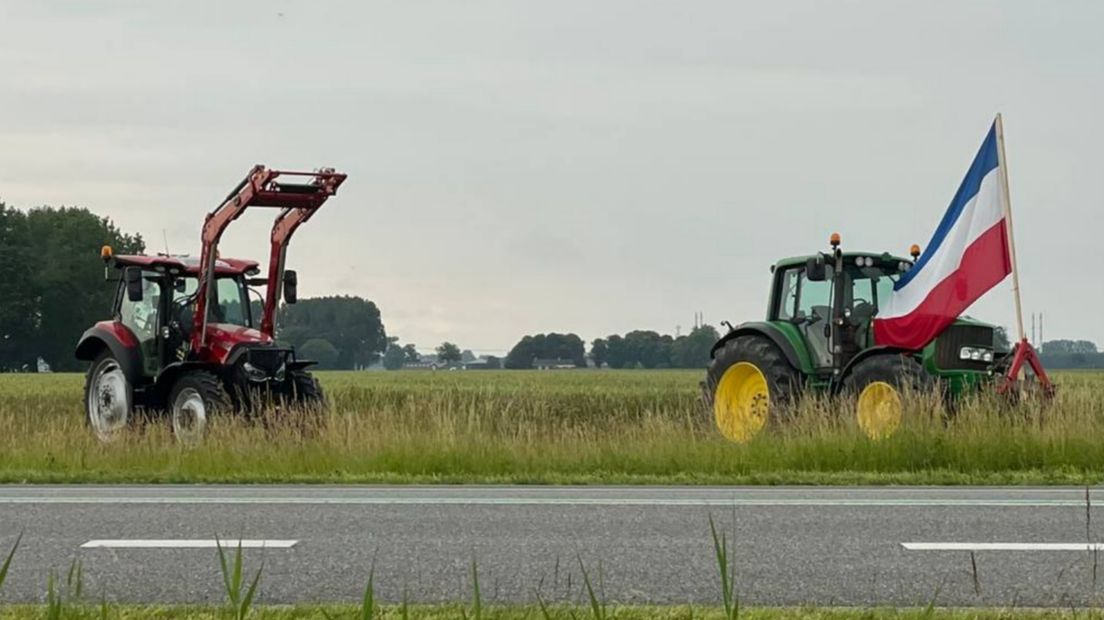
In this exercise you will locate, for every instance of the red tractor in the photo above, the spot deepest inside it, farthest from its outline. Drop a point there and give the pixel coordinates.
(183, 341)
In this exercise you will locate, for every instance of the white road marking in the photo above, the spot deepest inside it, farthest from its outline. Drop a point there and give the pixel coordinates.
(980, 546)
(545, 501)
(188, 544)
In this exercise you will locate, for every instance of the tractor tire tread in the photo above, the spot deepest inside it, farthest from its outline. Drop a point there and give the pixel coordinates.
(210, 387)
(900, 370)
(783, 380)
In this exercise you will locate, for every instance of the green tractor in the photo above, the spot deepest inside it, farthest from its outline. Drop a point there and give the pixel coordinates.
(819, 337)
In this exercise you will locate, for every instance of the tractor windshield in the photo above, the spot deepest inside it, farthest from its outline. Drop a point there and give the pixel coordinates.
(229, 304)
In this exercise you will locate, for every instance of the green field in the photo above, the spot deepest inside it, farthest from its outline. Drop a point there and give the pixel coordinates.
(558, 427)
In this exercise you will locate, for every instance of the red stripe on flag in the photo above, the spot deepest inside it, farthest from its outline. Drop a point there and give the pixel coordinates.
(984, 264)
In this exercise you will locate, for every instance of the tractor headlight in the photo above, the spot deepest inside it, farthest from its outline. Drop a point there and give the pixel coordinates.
(253, 373)
(976, 354)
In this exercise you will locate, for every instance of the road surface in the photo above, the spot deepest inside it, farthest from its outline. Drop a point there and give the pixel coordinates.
(792, 545)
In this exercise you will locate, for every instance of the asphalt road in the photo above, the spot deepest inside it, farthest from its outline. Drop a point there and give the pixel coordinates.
(827, 546)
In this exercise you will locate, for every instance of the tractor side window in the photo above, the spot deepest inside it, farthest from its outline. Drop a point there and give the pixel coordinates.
(141, 318)
(814, 301)
(814, 307)
(788, 298)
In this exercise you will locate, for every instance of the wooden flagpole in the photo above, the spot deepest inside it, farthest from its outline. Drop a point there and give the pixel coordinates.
(1006, 206)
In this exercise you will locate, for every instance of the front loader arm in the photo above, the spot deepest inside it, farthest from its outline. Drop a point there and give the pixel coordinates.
(298, 202)
(286, 223)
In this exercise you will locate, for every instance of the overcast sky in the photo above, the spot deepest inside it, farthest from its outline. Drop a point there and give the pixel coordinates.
(595, 167)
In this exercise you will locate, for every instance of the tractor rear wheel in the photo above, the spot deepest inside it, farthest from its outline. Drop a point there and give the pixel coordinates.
(748, 379)
(195, 397)
(108, 398)
(882, 385)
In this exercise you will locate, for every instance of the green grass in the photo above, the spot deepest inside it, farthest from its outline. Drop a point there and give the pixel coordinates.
(619, 427)
(492, 612)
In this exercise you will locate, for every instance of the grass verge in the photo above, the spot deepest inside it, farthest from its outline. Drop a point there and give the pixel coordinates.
(577, 427)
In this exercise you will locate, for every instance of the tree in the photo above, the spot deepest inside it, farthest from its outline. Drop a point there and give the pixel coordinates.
(17, 310)
(394, 357)
(599, 352)
(547, 346)
(351, 324)
(1054, 347)
(617, 352)
(467, 356)
(321, 351)
(53, 282)
(493, 363)
(649, 349)
(448, 353)
(693, 350)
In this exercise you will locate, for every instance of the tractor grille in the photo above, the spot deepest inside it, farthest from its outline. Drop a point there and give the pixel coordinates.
(951, 341)
(266, 359)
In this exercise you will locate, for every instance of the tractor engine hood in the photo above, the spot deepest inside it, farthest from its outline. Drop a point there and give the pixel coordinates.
(223, 338)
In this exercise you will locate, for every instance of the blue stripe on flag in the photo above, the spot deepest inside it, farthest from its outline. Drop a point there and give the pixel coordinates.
(984, 163)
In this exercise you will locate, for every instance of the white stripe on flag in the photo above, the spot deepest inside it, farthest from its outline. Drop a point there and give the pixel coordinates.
(980, 214)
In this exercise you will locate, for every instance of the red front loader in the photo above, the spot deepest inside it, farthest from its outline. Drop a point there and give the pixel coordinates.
(183, 341)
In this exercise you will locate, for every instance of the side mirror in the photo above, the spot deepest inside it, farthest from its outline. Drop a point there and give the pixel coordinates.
(815, 271)
(132, 275)
(291, 287)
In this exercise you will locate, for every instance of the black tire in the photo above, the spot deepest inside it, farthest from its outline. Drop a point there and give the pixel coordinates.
(107, 428)
(899, 371)
(304, 405)
(192, 389)
(306, 391)
(783, 381)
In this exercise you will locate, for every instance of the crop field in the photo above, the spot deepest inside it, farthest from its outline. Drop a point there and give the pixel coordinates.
(582, 427)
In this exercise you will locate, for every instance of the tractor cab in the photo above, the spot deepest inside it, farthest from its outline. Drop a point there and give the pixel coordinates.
(831, 300)
(156, 300)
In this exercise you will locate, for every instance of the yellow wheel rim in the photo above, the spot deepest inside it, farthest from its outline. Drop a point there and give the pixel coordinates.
(741, 402)
(879, 410)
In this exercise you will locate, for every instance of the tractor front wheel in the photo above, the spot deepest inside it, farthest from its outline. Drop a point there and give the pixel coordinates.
(748, 379)
(306, 391)
(881, 385)
(195, 398)
(108, 398)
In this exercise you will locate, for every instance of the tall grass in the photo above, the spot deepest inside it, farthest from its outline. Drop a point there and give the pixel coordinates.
(239, 601)
(573, 426)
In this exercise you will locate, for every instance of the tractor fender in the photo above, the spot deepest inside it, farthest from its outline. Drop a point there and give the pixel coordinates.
(882, 349)
(765, 330)
(163, 382)
(117, 338)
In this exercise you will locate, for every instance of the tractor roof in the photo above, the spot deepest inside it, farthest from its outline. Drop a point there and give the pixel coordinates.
(795, 261)
(188, 265)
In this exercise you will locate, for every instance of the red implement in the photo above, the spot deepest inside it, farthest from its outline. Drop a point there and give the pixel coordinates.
(260, 188)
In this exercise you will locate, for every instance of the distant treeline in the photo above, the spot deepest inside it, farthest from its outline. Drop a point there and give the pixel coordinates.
(636, 349)
(1070, 354)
